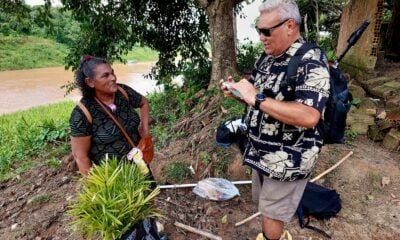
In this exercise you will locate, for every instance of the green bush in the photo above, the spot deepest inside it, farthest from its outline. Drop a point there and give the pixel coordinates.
(248, 54)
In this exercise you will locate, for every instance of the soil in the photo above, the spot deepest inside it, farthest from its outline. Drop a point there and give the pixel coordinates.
(33, 205)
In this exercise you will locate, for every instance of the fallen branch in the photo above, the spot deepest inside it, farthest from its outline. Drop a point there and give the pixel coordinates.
(312, 180)
(198, 231)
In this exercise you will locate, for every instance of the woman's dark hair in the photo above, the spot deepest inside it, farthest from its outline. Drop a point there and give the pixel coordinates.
(86, 70)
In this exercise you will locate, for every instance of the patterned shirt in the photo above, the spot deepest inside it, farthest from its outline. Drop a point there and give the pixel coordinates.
(106, 136)
(281, 151)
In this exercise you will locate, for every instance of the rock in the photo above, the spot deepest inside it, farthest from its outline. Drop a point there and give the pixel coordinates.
(375, 134)
(385, 181)
(374, 82)
(357, 91)
(392, 140)
(14, 226)
(359, 121)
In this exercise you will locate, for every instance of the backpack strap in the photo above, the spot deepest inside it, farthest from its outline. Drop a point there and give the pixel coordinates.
(86, 111)
(306, 224)
(294, 62)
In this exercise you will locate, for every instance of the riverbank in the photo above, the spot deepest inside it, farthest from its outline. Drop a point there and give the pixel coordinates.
(29, 52)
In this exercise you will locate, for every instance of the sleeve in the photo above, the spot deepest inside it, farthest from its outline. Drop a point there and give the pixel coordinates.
(313, 82)
(134, 97)
(80, 126)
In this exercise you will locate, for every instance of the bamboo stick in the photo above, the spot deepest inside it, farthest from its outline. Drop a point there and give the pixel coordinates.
(312, 180)
(198, 231)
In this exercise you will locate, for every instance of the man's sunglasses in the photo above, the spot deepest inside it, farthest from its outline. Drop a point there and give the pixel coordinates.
(267, 31)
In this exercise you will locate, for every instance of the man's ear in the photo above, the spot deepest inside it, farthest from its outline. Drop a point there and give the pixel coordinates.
(89, 82)
(292, 26)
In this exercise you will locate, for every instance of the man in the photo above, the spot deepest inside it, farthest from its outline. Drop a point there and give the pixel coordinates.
(283, 140)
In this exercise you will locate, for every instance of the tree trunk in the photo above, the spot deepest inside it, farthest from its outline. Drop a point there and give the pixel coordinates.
(220, 16)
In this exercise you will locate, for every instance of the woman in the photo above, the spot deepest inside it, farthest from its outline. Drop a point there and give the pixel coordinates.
(92, 139)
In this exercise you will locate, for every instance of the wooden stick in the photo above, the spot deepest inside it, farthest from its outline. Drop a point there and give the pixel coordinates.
(198, 231)
(331, 168)
(312, 180)
(194, 184)
(248, 219)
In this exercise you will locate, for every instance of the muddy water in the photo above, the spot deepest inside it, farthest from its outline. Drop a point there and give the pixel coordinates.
(23, 89)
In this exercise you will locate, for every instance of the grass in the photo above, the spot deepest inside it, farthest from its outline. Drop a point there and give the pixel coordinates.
(35, 136)
(141, 54)
(177, 171)
(27, 52)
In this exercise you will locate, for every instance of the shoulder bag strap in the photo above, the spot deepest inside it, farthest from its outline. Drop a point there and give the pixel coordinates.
(123, 93)
(116, 122)
(85, 112)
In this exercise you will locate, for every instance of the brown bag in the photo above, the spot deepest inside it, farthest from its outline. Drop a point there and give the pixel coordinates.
(147, 147)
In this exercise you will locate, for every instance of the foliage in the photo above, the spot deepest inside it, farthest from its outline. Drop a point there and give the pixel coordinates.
(43, 22)
(29, 134)
(168, 28)
(247, 55)
(177, 171)
(329, 12)
(350, 133)
(196, 74)
(114, 197)
(17, 52)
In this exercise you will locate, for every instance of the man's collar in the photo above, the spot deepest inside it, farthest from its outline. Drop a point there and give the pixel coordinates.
(295, 46)
(292, 49)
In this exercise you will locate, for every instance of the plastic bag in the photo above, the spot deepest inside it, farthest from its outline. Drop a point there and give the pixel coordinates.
(217, 189)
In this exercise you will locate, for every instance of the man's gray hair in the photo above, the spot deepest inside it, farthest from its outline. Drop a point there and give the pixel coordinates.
(286, 9)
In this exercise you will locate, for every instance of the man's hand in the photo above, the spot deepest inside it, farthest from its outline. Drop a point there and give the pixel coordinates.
(223, 86)
(247, 90)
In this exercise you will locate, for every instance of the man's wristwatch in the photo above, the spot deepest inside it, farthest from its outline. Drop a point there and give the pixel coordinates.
(259, 98)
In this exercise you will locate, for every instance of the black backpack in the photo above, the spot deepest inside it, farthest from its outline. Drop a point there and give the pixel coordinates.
(318, 202)
(333, 125)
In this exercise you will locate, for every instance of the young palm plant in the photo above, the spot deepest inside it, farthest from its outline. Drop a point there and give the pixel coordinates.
(113, 197)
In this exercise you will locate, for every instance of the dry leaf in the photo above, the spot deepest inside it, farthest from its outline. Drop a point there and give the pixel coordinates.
(381, 115)
(393, 196)
(385, 181)
(224, 110)
(224, 219)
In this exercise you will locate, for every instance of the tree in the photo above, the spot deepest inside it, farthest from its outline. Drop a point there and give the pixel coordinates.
(174, 28)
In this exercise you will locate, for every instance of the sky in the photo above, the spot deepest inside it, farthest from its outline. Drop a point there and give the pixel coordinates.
(244, 26)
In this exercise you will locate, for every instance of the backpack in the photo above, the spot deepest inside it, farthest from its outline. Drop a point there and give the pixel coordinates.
(232, 131)
(333, 124)
(318, 202)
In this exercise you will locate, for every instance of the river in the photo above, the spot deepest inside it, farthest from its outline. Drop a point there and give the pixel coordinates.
(23, 89)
